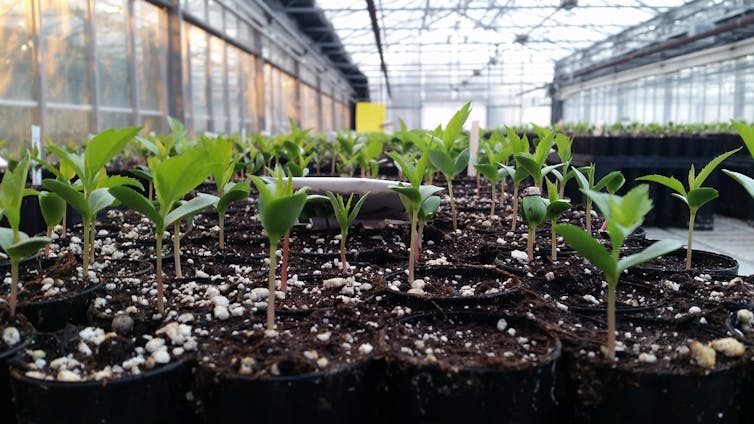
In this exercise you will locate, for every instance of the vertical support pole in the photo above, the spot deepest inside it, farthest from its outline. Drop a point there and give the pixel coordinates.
(176, 100)
(473, 149)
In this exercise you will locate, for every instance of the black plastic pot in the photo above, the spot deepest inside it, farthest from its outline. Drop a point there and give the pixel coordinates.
(617, 396)
(7, 411)
(54, 314)
(343, 396)
(433, 301)
(453, 393)
(156, 396)
(729, 269)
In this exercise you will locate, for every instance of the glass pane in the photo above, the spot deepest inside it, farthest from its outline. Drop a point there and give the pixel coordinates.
(156, 124)
(115, 120)
(215, 14)
(290, 96)
(16, 51)
(197, 45)
(196, 8)
(15, 126)
(327, 115)
(217, 88)
(234, 90)
(309, 108)
(65, 125)
(112, 53)
(150, 26)
(248, 87)
(66, 56)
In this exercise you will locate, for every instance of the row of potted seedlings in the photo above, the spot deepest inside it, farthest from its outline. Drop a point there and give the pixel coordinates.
(178, 300)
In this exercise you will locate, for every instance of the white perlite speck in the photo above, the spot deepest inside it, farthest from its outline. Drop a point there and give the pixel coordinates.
(502, 324)
(648, 358)
(11, 336)
(66, 375)
(728, 346)
(520, 256)
(161, 357)
(550, 276)
(366, 348)
(221, 312)
(155, 344)
(695, 310)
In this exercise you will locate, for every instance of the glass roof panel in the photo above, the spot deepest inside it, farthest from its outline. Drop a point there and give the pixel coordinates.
(489, 50)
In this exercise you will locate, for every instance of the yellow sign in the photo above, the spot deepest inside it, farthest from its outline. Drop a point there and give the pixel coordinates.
(370, 117)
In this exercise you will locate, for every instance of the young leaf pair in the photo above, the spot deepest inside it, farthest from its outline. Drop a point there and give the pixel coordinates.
(345, 214)
(16, 244)
(279, 209)
(447, 158)
(419, 201)
(173, 179)
(695, 196)
(535, 210)
(89, 193)
(624, 214)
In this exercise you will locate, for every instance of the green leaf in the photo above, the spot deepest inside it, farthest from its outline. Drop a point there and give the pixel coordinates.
(176, 176)
(659, 248)
(139, 203)
(556, 208)
(489, 171)
(67, 191)
(543, 148)
(533, 210)
(589, 248)
(710, 167)
(409, 192)
(233, 193)
(564, 147)
(281, 213)
(53, 208)
(615, 183)
(442, 161)
(747, 134)
(746, 182)
(99, 199)
(6, 238)
(68, 162)
(698, 197)
(357, 208)
(12, 192)
(427, 190)
(149, 145)
(461, 162)
(526, 162)
(429, 207)
(104, 147)
(191, 207)
(581, 179)
(614, 179)
(552, 190)
(141, 172)
(119, 180)
(455, 126)
(669, 182)
(27, 246)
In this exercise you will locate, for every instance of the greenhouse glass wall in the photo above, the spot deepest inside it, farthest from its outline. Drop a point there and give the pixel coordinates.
(658, 79)
(76, 67)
